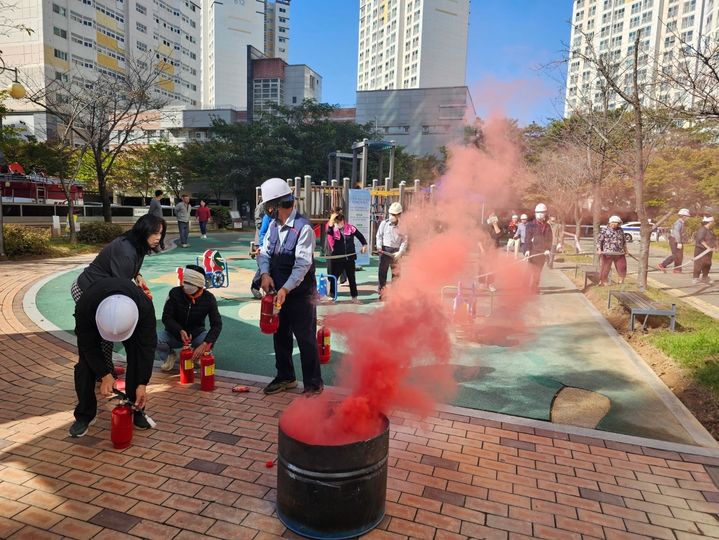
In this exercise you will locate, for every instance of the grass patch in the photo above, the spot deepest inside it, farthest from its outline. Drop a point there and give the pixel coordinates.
(61, 247)
(695, 344)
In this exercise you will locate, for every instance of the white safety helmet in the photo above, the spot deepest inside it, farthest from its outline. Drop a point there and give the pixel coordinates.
(395, 208)
(541, 207)
(275, 188)
(684, 212)
(523, 216)
(116, 317)
(708, 219)
(615, 219)
(515, 216)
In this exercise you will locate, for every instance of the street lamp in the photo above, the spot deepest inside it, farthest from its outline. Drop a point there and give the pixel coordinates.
(16, 91)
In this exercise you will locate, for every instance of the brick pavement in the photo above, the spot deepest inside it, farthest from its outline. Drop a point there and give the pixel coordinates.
(202, 472)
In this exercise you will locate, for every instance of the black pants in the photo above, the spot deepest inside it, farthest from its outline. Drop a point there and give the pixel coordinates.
(85, 381)
(385, 263)
(335, 267)
(677, 255)
(702, 265)
(298, 316)
(536, 270)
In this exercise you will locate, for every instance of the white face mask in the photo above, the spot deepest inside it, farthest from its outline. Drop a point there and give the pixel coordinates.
(393, 218)
(540, 215)
(189, 289)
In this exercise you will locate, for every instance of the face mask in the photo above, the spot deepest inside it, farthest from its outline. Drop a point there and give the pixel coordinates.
(393, 218)
(540, 215)
(190, 289)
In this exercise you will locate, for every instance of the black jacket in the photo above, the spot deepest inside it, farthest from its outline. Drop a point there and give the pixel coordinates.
(539, 237)
(140, 346)
(118, 259)
(180, 313)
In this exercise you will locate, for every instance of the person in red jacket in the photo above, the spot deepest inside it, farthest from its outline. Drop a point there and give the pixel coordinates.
(203, 216)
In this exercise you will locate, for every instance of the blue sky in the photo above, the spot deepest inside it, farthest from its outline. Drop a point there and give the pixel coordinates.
(509, 42)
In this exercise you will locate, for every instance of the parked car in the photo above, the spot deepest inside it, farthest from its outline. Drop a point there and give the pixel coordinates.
(631, 231)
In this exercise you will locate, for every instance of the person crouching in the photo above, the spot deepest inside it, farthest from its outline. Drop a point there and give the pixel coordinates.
(184, 314)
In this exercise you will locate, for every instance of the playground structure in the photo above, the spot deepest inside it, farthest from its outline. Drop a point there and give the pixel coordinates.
(217, 271)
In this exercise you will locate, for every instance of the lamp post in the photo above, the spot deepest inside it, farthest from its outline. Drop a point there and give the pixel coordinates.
(16, 91)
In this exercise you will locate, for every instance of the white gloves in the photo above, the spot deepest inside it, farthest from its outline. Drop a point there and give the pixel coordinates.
(396, 256)
(680, 246)
(547, 253)
(526, 254)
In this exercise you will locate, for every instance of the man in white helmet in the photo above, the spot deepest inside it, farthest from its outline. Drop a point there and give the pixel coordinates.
(391, 245)
(677, 237)
(287, 266)
(539, 242)
(612, 249)
(512, 229)
(115, 310)
(520, 236)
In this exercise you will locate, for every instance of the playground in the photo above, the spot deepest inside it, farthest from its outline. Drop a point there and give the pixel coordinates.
(572, 369)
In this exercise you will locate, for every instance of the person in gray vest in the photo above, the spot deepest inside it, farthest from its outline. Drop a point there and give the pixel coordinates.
(391, 245)
(286, 263)
(182, 213)
(156, 210)
(676, 242)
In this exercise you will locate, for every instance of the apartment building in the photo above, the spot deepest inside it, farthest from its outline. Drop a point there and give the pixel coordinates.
(412, 44)
(277, 29)
(612, 26)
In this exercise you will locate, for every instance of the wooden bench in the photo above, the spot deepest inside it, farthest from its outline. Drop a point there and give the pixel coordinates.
(590, 274)
(640, 304)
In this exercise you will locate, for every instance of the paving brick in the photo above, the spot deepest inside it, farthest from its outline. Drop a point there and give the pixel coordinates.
(8, 527)
(223, 529)
(38, 517)
(648, 530)
(443, 496)
(509, 524)
(202, 465)
(153, 531)
(191, 522)
(581, 527)
(112, 519)
(601, 497)
(75, 528)
(550, 533)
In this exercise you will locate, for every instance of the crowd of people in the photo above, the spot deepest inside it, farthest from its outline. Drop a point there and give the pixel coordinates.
(114, 303)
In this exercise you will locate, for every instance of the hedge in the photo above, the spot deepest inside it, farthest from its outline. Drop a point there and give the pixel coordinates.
(221, 215)
(21, 240)
(99, 232)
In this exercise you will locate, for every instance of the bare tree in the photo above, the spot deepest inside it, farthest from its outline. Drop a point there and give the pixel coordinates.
(8, 17)
(630, 80)
(103, 113)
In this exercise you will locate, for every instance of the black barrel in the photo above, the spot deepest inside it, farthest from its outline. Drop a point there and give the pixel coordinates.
(332, 492)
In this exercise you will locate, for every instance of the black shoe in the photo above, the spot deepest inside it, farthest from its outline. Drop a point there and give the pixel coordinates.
(310, 391)
(277, 386)
(79, 428)
(256, 293)
(140, 421)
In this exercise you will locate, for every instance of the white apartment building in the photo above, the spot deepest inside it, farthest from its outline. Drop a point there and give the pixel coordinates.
(412, 44)
(612, 27)
(277, 29)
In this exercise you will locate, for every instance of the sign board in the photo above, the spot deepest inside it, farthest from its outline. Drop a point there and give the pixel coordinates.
(56, 225)
(138, 212)
(358, 215)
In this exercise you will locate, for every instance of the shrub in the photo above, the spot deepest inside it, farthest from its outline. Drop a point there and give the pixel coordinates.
(21, 240)
(99, 232)
(221, 215)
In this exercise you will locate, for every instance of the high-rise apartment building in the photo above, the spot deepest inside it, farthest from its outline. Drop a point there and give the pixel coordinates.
(277, 29)
(412, 44)
(612, 27)
(200, 46)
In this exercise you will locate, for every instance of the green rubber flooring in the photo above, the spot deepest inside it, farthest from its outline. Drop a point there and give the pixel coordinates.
(568, 349)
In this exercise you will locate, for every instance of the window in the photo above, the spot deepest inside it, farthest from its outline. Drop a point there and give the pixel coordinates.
(60, 54)
(141, 27)
(59, 32)
(59, 10)
(141, 46)
(673, 11)
(141, 9)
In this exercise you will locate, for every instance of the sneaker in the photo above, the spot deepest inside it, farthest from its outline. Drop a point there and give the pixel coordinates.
(140, 421)
(355, 300)
(310, 391)
(256, 293)
(277, 386)
(203, 236)
(695, 281)
(169, 364)
(662, 267)
(706, 280)
(79, 428)
(677, 271)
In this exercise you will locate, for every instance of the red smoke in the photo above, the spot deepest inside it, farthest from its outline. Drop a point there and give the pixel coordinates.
(399, 355)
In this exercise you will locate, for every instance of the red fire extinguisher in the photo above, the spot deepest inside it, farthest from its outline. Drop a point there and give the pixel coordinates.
(187, 366)
(122, 426)
(207, 371)
(269, 315)
(323, 344)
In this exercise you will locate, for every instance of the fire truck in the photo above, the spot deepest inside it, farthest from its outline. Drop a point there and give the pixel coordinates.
(20, 188)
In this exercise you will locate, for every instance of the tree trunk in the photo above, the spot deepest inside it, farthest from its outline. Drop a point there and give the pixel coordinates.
(67, 190)
(578, 227)
(645, 228)
(102, 187)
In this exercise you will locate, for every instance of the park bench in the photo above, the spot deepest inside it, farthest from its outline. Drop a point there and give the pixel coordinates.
(591, 273)
(640, 304)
